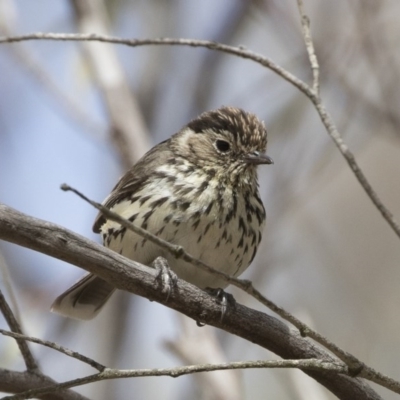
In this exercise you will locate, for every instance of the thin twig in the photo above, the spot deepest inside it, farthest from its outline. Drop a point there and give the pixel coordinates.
(246, 54)
(308, 364)
(331, 127)
(305, 25)
(237, 51)
(55, 346)
(12, 322)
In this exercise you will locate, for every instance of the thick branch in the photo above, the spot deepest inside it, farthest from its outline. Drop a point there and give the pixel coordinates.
(17, 382)
(128, 275)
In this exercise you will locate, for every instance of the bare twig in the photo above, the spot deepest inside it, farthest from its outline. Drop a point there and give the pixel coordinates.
(12, 322)
(55, 346)
(305, 25)
(125, 274)
(310, 364)
(12, 381)
(260, 59)
(237, 51)
(331, 127)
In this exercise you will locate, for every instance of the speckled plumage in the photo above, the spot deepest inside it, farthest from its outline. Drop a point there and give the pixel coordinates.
(191, 191)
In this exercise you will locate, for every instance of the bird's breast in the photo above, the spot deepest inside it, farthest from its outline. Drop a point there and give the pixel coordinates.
(212, 221)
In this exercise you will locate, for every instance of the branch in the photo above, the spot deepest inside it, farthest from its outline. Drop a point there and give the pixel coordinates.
(305, 25)
(125, 274)
(55, 346)
(17, 382)
(236, 51)
(246, 54)
(12, 322)
(354, 364)
(310, 364)
(331, 127)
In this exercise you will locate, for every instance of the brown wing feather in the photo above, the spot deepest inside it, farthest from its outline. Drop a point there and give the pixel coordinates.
(135, 178)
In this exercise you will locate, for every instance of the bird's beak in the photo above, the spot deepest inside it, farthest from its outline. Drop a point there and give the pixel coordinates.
(258, 158)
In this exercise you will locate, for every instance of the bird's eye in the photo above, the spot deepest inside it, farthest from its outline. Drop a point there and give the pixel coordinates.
(222, 146)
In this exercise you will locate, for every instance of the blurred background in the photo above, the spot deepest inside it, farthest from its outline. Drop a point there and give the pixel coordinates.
(82, 113)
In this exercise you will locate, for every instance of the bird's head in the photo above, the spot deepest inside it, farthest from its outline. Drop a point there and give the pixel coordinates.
(228, 140)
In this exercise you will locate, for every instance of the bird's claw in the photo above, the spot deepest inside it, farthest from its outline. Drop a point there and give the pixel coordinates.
(165, 276)
(223, 298)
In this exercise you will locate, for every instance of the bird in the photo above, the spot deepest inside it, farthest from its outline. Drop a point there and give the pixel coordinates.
(197, 189)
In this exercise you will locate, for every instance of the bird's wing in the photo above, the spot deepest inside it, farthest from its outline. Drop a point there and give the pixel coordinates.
(135, 178)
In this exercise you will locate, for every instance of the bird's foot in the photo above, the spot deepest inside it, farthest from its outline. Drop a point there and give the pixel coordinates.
(165, 276)
(224, 299)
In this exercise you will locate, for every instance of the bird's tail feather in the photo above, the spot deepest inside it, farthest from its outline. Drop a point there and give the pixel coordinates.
(85, 299)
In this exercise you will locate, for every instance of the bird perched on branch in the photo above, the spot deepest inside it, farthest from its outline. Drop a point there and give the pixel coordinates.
(198, 190)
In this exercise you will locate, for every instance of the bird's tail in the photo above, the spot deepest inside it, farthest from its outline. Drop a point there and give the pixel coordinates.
(85, 299)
